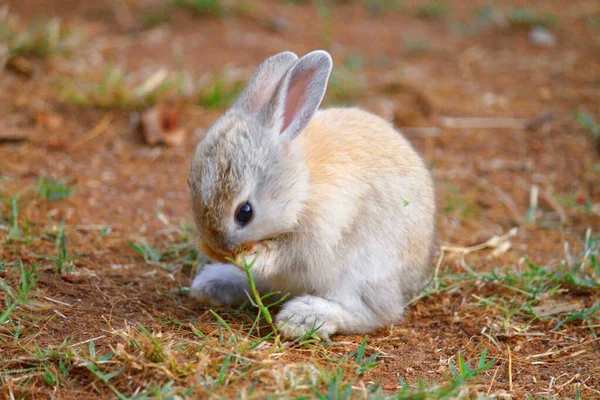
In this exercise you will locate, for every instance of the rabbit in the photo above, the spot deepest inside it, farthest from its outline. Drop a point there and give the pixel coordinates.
(335, 206)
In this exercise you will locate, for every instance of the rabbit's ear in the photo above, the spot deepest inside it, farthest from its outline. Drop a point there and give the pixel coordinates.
(264, 82)
(299, 94)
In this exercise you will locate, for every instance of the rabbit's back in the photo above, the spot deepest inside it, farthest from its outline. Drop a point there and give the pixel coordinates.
(368, 187)
(355, 142)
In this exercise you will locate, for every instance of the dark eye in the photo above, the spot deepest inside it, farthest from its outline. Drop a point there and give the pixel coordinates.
(243, 214)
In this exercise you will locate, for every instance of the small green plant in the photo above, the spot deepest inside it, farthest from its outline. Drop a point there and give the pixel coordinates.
(220, 91)
(114, 89)
(486, 15)
(433, 9)
(415, 44)
(378, 7)
(40, 40)
(94, 366)
(363, 363)
(62, 261)
(326, 32)
(22, 295)
(461, 375)
(53, 189)
(587, 122)
(346, 83)
(457, 203)
(201, 7)
(258, 301)
(534, 284)
(583, 206)
(526, 17)
(15, 231)
(151, 255)
(157, 17)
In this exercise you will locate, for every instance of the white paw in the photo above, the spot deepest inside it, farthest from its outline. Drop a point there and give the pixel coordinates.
(220, 284)
(306, 314)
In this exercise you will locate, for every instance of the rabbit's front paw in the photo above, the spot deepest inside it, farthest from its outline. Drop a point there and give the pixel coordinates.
(220, 284)
(306, 314)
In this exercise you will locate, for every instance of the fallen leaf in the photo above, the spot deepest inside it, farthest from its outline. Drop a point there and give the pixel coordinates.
(56, 144)
(22, 66)
(159, 125)
(48, 119)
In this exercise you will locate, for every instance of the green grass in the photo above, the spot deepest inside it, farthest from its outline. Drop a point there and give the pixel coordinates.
(117, 89)
(433, 10)
(346, 83)
(588, 123)
(326, 31)
(21, 295)
(524, 290)
(201, 7)
(414, 45)
(178, 253)
(38, 40)
(570, 201)
(220, 91)
(525, 17)
(53, 189)
(460, 205)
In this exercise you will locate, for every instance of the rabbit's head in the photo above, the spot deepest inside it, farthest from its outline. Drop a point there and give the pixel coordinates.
(248, 180)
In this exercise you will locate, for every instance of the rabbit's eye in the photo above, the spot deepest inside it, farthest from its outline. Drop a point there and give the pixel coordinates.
(243, 214)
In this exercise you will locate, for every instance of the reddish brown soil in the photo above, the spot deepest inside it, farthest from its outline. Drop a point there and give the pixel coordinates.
(121, 183)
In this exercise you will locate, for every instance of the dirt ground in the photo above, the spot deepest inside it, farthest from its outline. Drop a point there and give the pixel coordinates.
(491, 112)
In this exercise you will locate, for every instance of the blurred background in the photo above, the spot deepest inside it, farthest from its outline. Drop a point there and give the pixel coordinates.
(504, 90)
(103, 102)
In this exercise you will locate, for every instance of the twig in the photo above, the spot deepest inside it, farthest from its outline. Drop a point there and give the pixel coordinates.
(552, 353)
(492, 382)
(483, 123)
(87, 341)
(505, 198)
(58, 302)
(420, 132)
(533, 203)
(93, 133)
(510, 380)
(436, 282)
(492, 242)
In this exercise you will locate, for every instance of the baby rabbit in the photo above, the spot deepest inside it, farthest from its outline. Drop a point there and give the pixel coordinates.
(336, 205)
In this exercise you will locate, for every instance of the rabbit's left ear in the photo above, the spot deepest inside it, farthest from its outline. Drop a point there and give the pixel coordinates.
(299, 94)
(264, 82)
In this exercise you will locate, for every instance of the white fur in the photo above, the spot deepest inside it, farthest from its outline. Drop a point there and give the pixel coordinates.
(221, 284)
(339, 237)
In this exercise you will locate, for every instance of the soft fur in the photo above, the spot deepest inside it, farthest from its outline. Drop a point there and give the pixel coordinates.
(343, 205)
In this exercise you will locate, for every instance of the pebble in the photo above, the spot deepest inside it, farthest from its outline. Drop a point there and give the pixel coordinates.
(540, 36)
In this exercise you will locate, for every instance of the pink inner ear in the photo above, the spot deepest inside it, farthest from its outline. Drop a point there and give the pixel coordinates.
(296, 96)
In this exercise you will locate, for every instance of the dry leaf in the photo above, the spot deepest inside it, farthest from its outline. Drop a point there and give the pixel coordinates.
(48, 119)
(56, 144)
(22, 66)
(160, 126)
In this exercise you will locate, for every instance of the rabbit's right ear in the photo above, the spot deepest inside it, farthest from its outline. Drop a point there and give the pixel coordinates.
(299, 95)
(264, 82)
